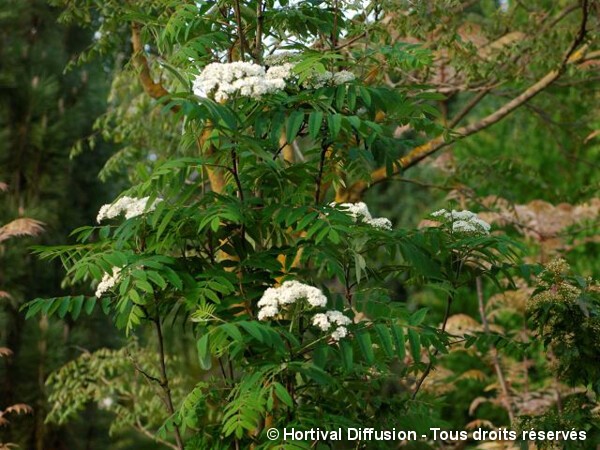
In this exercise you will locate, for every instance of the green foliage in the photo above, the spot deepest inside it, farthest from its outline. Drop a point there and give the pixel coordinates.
(565, 311)
(229, 205)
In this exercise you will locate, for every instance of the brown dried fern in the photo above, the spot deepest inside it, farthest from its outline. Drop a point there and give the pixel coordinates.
(23, 226)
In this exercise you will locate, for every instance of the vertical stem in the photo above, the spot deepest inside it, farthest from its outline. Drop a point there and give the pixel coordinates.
(495, 357)
(40, 428)
(334, 32)
(347, 286)
(164, 382)
(238, 19)
(430, 365)
(459, 262)
(236, 175)
(320, 175)
(259, 32)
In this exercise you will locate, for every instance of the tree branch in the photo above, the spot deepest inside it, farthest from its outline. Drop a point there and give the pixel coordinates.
(154, 90)
(158, 91)
(259, 32)
(354, 192)
(238, 19)
(139, 427)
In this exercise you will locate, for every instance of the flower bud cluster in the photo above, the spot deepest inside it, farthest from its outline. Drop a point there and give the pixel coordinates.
(319, 79)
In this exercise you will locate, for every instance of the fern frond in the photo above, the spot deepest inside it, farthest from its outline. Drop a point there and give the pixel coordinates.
(204, 313)
(23, 226)
(19, 408)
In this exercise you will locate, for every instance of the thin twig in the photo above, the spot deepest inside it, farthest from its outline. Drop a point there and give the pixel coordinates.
(164, 382)
(235, 173)
(436, 352)
(320, 174)
(494, 351)
(459, 264)
(351, 40)
(143, 372)
(468, 107)
(138, 426)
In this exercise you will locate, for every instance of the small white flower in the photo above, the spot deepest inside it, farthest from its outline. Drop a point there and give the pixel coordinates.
(266, 312)
(287, 294)
(324, 321)
(342, 77)
(339, 333)
(382, 223)
(221, 81)
(106, 402)
(269, 298)
(106, 212)
(462, 215)
(280, 58)
(463, 221)
(482, 224)
(315, 297)
(130, 206)
(317, 80)
(281, 72)
(360, 211)
(462, 226)
(108, 281)
(321, 321)
(338, 317)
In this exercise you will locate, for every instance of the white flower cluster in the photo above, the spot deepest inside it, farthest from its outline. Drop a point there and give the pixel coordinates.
(318, 80)
(288, 293)
(361, 211)
(333, 318)
(224, 80)
(281, 57)
(463, 221)
(131, 206)
(108, 281)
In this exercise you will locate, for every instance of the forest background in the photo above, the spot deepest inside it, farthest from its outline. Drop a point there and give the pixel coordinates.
(480, 105)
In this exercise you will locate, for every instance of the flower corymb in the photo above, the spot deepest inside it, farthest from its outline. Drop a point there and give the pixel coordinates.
(108, 281)
(222, 81)
(360, 212)
(130, 206)
(463, 221)
(274, 299)
(332, 318)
